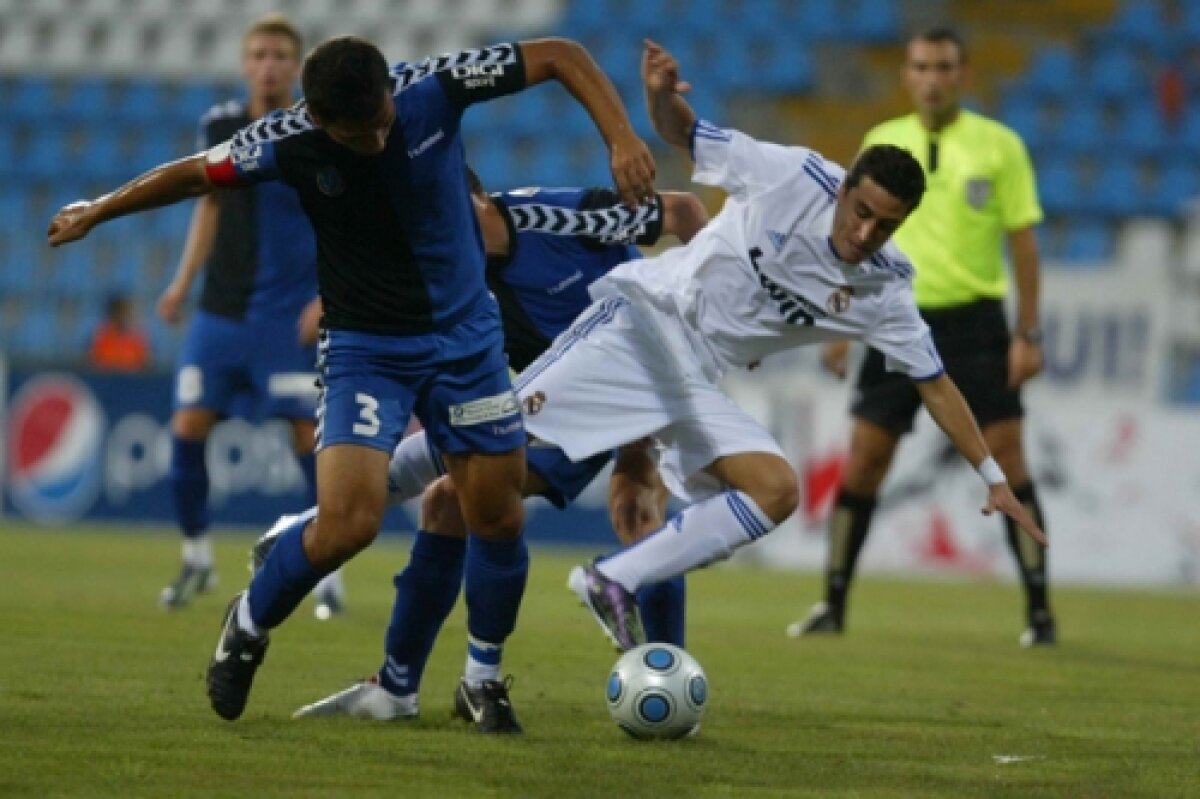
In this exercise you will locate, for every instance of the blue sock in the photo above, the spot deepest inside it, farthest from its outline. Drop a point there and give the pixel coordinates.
(284, 579)
(662, 605)
(495, 578)
(308, 465)
(189, 485)
(425, 594)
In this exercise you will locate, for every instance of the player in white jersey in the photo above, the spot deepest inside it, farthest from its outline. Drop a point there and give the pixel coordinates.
(799, 255)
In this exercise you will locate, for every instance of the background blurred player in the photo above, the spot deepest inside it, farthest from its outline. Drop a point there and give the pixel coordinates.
(981, 195)
(242, 354)
(377, 157)
(800, 254)
(544, 247)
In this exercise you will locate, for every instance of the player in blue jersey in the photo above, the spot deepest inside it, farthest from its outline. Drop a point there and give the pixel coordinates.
(544, 247)
(409, 326)
(243, 352)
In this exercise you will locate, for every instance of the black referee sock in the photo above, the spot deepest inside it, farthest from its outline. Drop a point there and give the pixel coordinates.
(848, 527)
(1030, 555)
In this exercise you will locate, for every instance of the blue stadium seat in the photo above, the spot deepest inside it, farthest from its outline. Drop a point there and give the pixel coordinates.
(71, 272)
(1140, 23)
(1080, 129)
(191, 101)
(1141, 132)
(19, 273)
(874, 21)
(819, 19)
(32, 99)
(153, 147)
(1117, 74)
(1178, 184)
(1185, 140)
(550, 163)
(87, 101)
(1118, 189)
(1023, 112)
(103, 157)
(1059, 186)
(36, 337)
(1054, 73)
(141, 102)
(47, 155)
(1088, 241)
(495, 163)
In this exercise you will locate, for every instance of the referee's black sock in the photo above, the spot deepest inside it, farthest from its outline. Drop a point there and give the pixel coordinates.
(1030, 555)
(848, 527)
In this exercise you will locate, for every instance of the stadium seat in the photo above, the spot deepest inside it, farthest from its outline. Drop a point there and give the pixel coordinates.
(1023, 112)
(86, 101)
(1059, 186)
(1140, 23)
(36, 337)
(103, 157)
(1118, 189)
(192, 100)
(1054, 73)
(1081, 129)
(550, 163)
(1088, 241)
(1141, 131)
(32, 99)
(141, 102)
(874, 22)
(1116, 75)
(1178, 184)
(47, 155)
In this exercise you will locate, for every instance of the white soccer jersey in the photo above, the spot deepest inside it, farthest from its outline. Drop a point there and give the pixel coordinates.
(763, 277)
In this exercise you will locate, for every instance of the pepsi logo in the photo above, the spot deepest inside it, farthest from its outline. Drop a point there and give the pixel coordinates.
(56, 429)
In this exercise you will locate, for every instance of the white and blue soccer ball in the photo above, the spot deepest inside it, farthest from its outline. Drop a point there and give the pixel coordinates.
(657, 691)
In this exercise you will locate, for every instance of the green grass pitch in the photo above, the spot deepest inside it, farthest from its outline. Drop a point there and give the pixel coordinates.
(101, 694)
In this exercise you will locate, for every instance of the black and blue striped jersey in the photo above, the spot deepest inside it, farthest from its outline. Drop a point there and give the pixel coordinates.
(263, 263)
(560, 241)
(399, 247)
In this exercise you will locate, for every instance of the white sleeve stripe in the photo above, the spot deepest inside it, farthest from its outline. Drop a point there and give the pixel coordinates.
(618, 221)
(275, 126)
(408, 74)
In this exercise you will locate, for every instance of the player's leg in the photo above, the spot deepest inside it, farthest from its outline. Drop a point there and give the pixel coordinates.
(426, 592)
(203, 389)
(364, 409)
(1004, 439)
(637, 505)
(330, 593)
(883, 412)
(740, 487)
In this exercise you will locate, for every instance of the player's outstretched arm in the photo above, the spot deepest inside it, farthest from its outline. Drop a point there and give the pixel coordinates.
(569, 63)
(163, 185)
(683, 214)
(948, 408)
(673, 118)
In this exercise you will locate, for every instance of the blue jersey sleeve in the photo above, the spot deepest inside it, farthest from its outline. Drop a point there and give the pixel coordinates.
(465, 77)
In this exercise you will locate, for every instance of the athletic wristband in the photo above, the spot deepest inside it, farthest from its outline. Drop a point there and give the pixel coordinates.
(991, 472)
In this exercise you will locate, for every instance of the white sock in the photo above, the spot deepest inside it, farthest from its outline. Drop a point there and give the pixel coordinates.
(414, 465)
(198, 552)
(483, 662)
(244, 620)
(331, 585)
(698, 535)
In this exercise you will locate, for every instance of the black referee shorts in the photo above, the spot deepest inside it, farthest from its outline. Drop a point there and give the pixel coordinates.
(973, 341)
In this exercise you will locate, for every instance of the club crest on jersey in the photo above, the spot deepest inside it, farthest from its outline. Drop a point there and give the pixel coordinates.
(777, 240)
(533, 403)
(330, 181)
(979, 192)
(839, 301)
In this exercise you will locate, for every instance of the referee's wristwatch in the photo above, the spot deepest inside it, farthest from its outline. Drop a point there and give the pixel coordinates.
(1031, 334)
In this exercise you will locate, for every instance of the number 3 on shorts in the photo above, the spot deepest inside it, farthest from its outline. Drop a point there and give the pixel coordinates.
(369, 414)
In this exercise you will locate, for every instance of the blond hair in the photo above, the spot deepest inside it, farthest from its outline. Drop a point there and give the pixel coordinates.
(277, 24)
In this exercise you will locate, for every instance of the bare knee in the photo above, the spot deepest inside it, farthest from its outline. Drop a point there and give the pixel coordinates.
(340, 531)
(778, 495)
(440, 512)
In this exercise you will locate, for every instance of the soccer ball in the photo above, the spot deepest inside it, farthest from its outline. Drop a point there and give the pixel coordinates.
(657, 691)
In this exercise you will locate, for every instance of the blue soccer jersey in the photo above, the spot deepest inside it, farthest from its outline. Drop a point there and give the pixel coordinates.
(560, 240)
(399, 248)
(263, 265)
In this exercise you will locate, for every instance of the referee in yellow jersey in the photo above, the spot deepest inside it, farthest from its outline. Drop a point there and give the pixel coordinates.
(980, 193)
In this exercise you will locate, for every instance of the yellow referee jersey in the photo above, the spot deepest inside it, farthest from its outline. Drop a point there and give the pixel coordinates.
(980, 185)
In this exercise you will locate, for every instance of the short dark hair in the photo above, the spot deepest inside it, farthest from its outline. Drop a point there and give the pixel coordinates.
(942, 34)
(474, 183)
(344, 79)
(894, 169)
